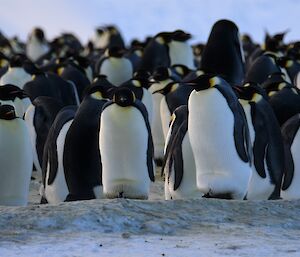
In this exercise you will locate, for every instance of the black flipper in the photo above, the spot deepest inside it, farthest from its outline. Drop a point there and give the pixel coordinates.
(289, 130)
(241, 131)
(150, 150)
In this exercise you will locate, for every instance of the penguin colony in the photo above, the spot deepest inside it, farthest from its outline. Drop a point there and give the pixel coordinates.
(221, 119)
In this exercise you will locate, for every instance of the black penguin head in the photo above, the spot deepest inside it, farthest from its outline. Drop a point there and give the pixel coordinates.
(123, 97)
(116, 52)
(39, 34)
(205, 81)
(169, 88)
(162, 73)
(10, 92)
(251, 92)
(144, 78)
(181, 70)
(7, 112)
(17, 60)
(180, 35)
(163, 38)
(102, 85)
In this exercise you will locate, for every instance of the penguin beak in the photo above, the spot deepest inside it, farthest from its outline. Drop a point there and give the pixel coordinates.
(7, 112)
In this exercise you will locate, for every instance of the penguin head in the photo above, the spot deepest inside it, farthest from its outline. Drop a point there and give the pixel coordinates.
(123, 97)
(4, 61)
(17, 60)
(100, 88)
(142, 78)
(115, 51)
(250, 92)
(206, 81)
(163, 38)
(38, 33)
(10, 92)
(162, 73)
(180, 69)
(7, 112)
(180, 35)
(169, 88)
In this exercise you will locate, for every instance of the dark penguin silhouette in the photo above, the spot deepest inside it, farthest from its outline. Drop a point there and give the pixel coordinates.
(81, 157)
(222, 54)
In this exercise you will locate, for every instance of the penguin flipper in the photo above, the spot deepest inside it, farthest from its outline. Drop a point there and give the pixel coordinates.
(289, 130)
(275, 149)
(150, 150)
(178, 158)
(260, 141)
(240, 130)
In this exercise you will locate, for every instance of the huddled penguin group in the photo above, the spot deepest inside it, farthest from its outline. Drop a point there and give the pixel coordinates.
(220, 118)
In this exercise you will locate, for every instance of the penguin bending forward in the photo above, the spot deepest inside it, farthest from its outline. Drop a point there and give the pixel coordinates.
(126, 147)
(219, 138)
(179, 164)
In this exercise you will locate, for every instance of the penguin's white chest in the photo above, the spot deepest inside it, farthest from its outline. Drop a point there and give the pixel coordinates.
(123, 147)
(15, 76)
(117, 70)
(15, 161)
(181, 53)
(211, 130)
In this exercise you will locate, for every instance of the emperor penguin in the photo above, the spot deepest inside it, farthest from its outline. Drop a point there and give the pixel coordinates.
(115, 66)
(16, 74)
(223, 53)
(126, 147)
(39, 117)
(219, 138)
(13, 95)
(81, 154)
(179, 163)
(108, 36)
(162, 76)
(267, 145)
(36, 45)
(16, 158)
(291, 138)
(55, 189)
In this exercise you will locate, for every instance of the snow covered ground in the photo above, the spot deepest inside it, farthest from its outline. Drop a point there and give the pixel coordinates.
(155, 227)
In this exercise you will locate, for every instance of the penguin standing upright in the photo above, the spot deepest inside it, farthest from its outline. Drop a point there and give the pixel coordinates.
(162, 76)
(268, 152)
(126, 147)
(115, 66)
(55, 189)
(291, 138)
(15, 159)
(36, 45)
(223, 53)
(81, 155)
(219, 138)
(179, 164)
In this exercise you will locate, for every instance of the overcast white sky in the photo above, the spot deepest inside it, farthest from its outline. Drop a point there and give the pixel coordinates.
(139, 18)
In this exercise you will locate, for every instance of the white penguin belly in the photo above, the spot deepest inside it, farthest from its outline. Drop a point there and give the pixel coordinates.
(219, 168)
(293, 191)
(15, 76)
(123, 146)
(181, 53)
(165, 116)
(117, 70)
(156, 127)
(15, 162)
(58, 191)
